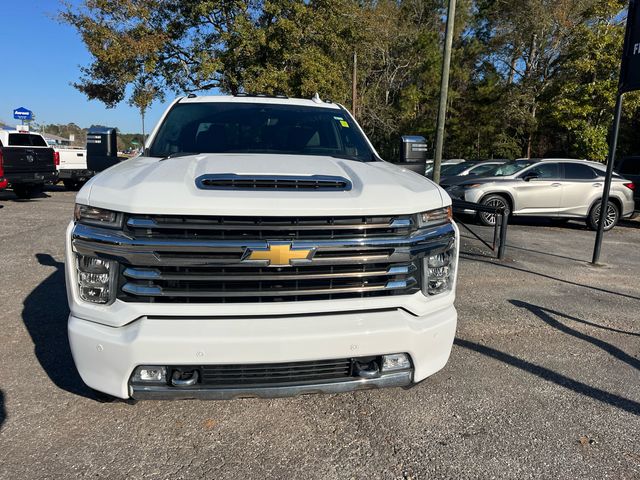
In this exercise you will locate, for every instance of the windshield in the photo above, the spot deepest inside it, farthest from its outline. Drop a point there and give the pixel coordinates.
(509, 168)
(259, 128)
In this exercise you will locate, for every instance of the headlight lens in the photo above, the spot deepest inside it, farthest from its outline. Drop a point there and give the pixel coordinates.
(96, 279)
(97, 216)
(471, 185)
(439, 272)
(434, 217)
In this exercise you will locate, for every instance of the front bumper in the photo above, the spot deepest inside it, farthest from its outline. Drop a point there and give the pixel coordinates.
(106, 356)
(387, 380)
(31, 178)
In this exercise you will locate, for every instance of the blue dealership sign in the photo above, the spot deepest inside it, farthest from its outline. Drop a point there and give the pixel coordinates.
(22, 113)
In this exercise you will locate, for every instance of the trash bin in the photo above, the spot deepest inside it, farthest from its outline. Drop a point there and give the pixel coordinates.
(102, 148)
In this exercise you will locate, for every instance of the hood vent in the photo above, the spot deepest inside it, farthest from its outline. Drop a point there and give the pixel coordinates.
(231, 181)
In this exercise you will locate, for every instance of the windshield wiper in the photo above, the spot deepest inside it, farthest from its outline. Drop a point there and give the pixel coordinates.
(179, 154)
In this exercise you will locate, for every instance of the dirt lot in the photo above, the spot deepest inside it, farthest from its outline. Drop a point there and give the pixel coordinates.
(543, 382)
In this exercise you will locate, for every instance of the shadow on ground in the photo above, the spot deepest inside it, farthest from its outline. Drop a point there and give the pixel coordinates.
(3, 411)
(475, 258)
(549, 375)
(45, 314)
(547, 316)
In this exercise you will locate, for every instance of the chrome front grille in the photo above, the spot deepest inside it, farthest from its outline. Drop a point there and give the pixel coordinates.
(187, 260)
(263, 284)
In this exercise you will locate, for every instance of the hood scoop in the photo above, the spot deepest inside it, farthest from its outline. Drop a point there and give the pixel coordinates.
(232, 181)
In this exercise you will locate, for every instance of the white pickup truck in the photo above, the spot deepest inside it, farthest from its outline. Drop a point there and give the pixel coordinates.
(72, 166)
(259, 248)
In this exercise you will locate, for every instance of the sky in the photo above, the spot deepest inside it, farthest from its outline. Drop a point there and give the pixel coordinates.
(41, 58)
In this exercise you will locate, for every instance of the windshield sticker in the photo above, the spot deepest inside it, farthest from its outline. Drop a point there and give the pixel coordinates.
(342, 122)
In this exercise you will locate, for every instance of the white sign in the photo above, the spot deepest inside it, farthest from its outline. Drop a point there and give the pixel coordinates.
(22, 128)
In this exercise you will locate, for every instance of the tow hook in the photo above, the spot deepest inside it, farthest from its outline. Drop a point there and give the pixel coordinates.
(367, 370)
(184, 379)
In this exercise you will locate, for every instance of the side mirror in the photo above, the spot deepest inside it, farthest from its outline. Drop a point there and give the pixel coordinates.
(530, 176)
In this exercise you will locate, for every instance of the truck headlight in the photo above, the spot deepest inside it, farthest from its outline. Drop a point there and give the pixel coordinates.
(439, 272)
(96, 279)
(97, 216)
(434, 217)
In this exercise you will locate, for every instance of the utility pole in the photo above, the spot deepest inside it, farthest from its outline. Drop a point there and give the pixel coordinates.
(354, 79)
(444, 90)
(604, 202)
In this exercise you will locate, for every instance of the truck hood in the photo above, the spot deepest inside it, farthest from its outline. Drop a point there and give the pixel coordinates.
(153, 186)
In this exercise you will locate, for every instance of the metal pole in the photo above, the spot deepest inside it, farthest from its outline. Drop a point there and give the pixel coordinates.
(444, 91)
(607, 181)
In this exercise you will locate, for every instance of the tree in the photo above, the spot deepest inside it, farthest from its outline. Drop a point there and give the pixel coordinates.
(583, 100)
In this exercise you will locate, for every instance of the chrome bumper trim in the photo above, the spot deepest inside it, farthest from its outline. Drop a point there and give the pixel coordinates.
(155, 392)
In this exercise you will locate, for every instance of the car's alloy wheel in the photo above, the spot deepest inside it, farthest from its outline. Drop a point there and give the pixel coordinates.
(494, 201)
(610, 220)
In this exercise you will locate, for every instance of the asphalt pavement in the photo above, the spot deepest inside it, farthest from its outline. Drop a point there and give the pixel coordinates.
(543, 381)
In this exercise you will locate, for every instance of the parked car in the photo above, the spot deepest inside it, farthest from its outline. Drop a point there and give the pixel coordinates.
(27, 162)
(469, 168)
(556, 188)
(72, 167)
(451, 161)
(629, 168)
(260, 248)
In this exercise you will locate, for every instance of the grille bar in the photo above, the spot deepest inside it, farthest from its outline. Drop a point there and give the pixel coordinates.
(156, 291)
(272, 228)
(262, 275)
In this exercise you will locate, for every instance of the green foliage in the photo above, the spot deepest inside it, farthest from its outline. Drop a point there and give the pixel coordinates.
(529, 77)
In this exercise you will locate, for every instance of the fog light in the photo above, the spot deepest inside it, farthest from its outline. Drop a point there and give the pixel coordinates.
(95, 279)
(147, 373)
(395, 361)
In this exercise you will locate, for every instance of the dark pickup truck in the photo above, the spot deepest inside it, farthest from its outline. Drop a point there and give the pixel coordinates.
(26, 163)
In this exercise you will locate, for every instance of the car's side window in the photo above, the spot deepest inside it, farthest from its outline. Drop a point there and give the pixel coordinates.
(576, 171)
(546, 171)
(480, 169)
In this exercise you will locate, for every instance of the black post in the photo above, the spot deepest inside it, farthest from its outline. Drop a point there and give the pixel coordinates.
(607, 182)
(503, 233)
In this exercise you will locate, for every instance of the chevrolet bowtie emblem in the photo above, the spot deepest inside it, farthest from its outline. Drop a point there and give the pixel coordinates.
(279, 254)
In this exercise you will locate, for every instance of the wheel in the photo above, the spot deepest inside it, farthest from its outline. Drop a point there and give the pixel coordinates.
(496, 201)
(611, 219)
(23, 191)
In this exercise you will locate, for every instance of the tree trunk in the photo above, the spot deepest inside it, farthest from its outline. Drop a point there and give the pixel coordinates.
(531, 130)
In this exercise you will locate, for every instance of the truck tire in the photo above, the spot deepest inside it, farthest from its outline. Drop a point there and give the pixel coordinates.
(28, 191)
(23, 191)
(71, 185)
(489, 219)
(611, 220)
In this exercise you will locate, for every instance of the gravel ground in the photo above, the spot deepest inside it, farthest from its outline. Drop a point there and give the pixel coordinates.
(543, 381)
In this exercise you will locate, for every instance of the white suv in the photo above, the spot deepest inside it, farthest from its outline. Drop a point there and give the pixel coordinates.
(556, 188)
